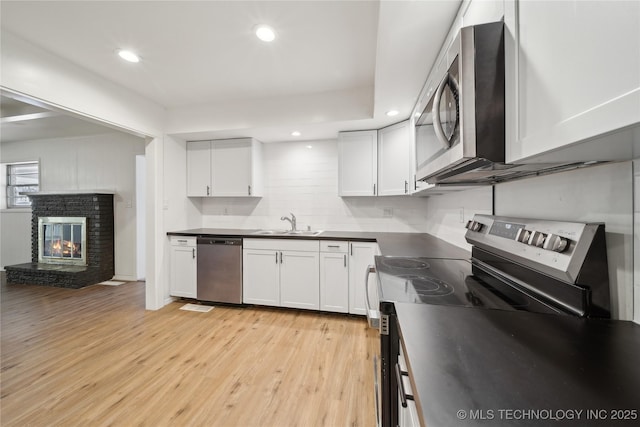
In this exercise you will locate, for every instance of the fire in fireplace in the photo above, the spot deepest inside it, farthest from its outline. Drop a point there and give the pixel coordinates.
(62, 240)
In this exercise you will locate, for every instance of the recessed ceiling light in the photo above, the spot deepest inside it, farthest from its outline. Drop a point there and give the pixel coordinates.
(265, 33)
(309, 147)
(295, 133)
(392, 113)
(127, 55)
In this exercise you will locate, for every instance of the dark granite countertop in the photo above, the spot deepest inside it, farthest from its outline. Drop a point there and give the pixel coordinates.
(391, 244)
(476, 367)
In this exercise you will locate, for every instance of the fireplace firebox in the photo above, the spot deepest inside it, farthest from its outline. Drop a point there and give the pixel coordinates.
(62, 240)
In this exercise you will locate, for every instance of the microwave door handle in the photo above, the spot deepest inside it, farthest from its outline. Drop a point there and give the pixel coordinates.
(437, 98)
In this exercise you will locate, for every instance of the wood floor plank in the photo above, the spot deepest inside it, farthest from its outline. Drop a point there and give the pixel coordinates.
(94, 356)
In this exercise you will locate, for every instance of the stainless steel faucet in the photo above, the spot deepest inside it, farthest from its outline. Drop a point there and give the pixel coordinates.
(291, 220)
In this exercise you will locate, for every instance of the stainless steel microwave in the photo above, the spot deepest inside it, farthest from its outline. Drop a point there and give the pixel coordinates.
(460, 131)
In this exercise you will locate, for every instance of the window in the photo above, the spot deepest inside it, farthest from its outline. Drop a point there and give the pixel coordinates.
(21, 177)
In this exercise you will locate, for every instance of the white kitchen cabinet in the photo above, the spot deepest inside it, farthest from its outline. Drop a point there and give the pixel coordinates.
(361, 255)
(281, 272)
(198, 168)
(575, 78)
(395, 175)
(482, 12)
(300, 280)
(357, 163)
(224, 168)
(183, 266)
(260, 277)
(334, 276)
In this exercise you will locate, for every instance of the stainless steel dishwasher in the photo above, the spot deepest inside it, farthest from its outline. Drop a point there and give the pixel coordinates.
(219, 270)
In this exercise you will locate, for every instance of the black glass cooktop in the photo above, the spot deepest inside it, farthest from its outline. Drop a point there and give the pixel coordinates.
(445, 281)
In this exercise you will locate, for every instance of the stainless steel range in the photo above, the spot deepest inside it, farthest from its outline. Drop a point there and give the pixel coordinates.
(549, 267)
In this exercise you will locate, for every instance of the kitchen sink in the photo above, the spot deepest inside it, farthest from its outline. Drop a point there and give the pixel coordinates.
(287, 232)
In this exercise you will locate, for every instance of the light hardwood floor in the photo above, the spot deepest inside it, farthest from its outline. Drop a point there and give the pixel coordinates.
(95, 357)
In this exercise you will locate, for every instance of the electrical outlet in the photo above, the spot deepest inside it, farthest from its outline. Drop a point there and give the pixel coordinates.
(462, 215)
(387, 212)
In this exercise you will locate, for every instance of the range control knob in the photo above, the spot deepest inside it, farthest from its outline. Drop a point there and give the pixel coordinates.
(474, 226)
(537, 239)
(555, 243)
(523, 235)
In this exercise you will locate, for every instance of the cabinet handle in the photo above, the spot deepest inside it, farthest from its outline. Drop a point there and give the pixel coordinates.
(406, 187)
(280, 257)
(181, 241)
(403, 395)
(208, 193)
(193, 253)
(374, 189)
(351, 248)
(276, 257)
(345, 260)
(249, 189)
(333, 246)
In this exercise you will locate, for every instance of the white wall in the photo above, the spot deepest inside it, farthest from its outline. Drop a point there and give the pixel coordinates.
(305, 181)
(597, 194)
(447, 214)
(179, 211)
(99, 162)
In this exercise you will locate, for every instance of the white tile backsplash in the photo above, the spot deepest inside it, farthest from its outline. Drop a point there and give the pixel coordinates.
(601, 193)
(304, 181)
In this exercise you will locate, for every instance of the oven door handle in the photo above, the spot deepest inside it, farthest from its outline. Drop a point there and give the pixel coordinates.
(373, 316)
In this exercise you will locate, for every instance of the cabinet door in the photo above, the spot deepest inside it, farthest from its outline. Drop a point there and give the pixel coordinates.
(576, 77)
(260, 277)
(334, 282)
(361, 255)
(357, 163)
(299, 280)
(198, 168)
(231, 167)
(394, 160)
(183, 271)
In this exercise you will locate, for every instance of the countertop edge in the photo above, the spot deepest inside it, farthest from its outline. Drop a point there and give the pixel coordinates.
(400, 244)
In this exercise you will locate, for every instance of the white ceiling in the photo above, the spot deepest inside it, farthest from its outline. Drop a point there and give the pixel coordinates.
(204, 53)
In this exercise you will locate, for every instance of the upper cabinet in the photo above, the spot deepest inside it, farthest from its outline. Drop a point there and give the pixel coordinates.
(224, 168)
(357, 165)
(199, 168)
(376, 163)
(573, 74)
(394, 160)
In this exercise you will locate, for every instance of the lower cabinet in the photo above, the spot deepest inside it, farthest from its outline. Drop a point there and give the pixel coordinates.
(184, 268)
(361, 289)
(260, 277)
(299, 279)
(281, 272)
(334, 276)
(322, 275)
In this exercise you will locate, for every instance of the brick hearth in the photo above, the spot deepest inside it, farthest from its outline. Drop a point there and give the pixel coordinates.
(98, 208)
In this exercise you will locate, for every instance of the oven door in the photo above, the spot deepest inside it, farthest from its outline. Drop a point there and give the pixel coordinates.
(371, 300)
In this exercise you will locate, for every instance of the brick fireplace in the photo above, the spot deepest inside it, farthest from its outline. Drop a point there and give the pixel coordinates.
(72, 241)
